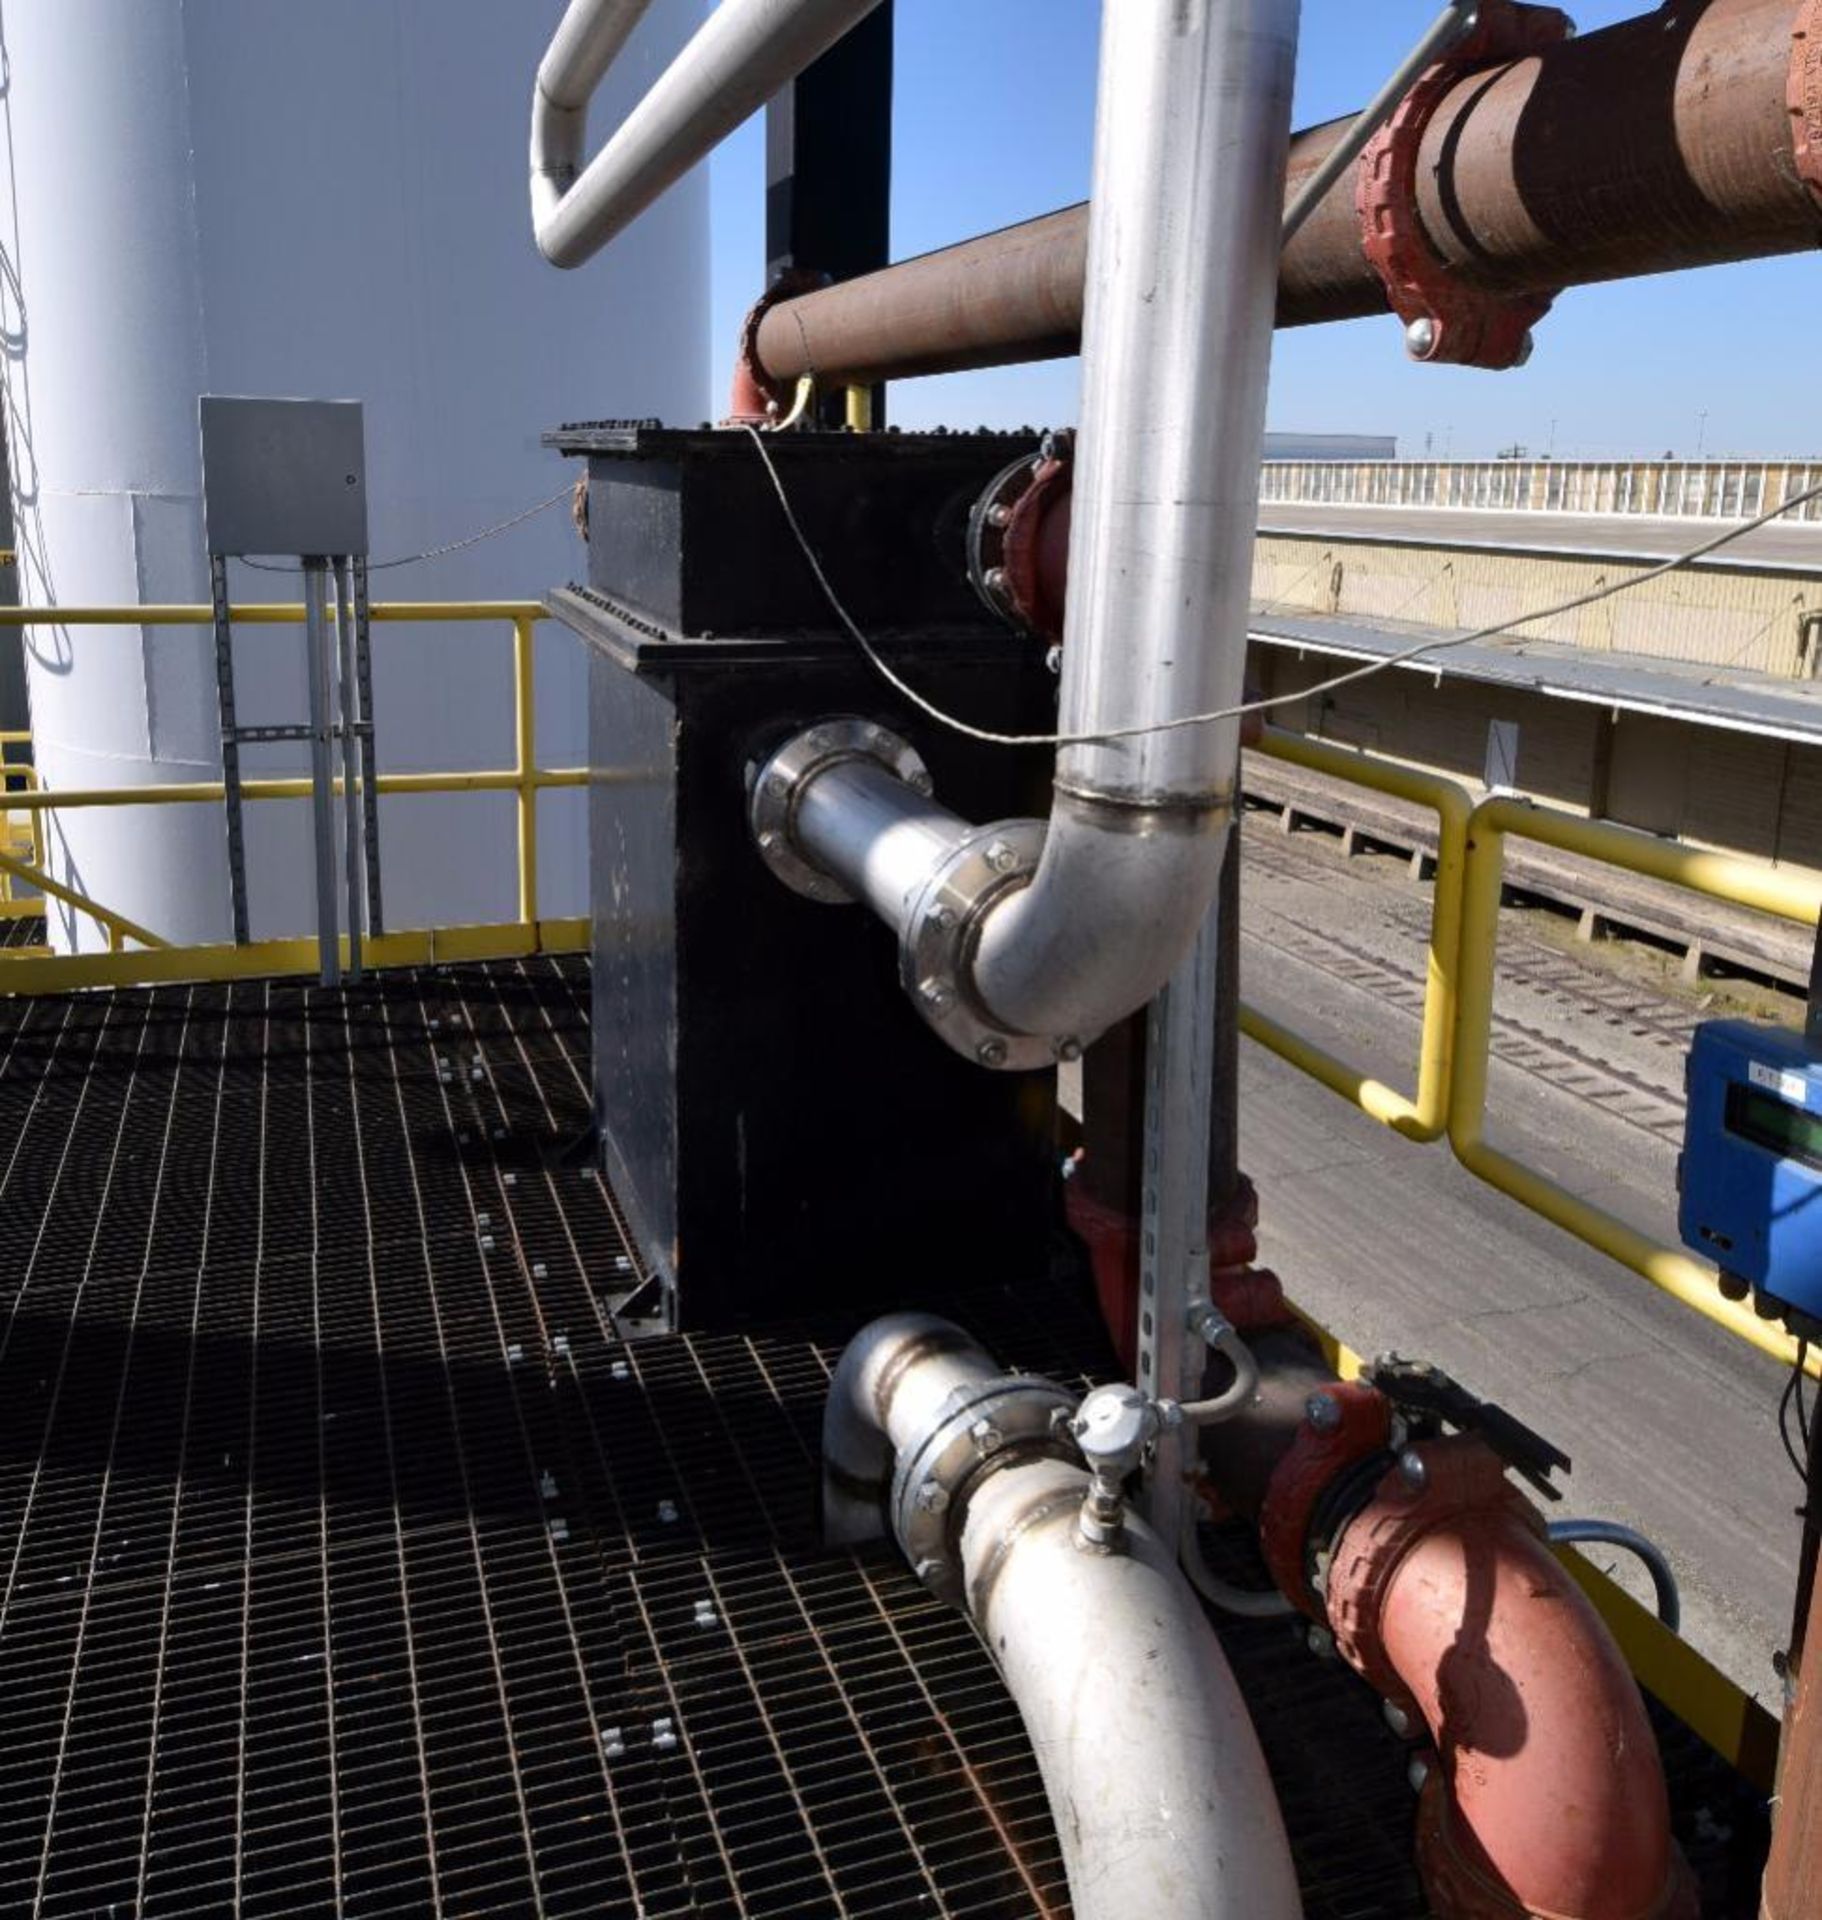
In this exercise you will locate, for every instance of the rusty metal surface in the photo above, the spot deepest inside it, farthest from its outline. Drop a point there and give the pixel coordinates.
(1804, 95)
(1662, 142)
(1315, 1460)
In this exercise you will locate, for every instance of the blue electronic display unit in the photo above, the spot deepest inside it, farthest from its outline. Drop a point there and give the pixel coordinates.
(1750, 1175)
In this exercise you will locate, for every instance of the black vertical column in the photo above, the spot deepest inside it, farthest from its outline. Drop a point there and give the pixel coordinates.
(828, 143)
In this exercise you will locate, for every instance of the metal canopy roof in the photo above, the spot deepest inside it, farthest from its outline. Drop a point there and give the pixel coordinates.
(1692, 692)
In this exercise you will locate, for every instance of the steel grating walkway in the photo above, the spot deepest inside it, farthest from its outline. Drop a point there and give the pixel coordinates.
(352, 1564)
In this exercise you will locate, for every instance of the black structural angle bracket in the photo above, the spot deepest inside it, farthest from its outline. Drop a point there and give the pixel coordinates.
(828, 167)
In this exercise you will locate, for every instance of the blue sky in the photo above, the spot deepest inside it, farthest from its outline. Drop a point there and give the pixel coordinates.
(993, 122)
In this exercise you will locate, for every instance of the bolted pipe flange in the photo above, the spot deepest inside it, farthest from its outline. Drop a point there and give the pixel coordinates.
(940, 936)
(780, 783)
(1016, 530)
(985, 1426)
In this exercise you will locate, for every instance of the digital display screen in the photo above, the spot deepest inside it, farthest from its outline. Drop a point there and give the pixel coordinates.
(1774, 1124)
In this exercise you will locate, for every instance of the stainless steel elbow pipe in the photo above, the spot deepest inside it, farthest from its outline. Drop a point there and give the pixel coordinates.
(744, 52)
(1023, 945)
(1160, 1795)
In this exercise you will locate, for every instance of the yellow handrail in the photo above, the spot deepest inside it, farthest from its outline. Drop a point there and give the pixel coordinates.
(27, 844)
(25, 972)
(1425, 1117)
(1458, 1001)
(116, 926)
(524, 662)
(524, 779)
(1720, 876)
(263, 613)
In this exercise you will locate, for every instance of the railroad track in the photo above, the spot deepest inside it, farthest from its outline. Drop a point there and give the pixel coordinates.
(1652, 1103)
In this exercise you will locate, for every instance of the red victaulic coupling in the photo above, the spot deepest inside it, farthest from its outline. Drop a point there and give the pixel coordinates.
(1445, 318)
(1547, 1797)
(755, 398)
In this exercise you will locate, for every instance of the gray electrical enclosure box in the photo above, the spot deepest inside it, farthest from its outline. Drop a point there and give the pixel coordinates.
(284, 476)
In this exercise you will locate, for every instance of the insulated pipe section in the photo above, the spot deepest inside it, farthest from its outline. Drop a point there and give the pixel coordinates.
(1661, 142)
(743, 54)
(1022, 946)
(1162, 1803)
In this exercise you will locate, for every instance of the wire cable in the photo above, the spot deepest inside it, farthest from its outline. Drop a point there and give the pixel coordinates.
(1793, 1388)
(1250, 1603)
(1609, 1533)
(800, 405)
(429, 553)
(1109, 735)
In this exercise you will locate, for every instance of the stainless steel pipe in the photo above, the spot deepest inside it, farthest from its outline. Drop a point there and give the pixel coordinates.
(1020, 950)
(1153, 1771)
(1191, 133)
(1162, 1803)
(875, 833)
(744, 52)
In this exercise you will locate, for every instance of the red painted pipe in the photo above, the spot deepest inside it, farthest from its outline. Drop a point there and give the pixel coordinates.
(1549, 1796)
(1685, 137)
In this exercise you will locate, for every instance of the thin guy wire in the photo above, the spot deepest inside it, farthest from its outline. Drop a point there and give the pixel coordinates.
(1108, 735)
(430, 553)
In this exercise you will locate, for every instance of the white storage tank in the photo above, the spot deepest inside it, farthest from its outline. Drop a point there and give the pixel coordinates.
(328, 201)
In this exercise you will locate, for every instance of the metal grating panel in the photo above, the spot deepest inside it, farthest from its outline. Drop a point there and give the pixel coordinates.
(351, 1564)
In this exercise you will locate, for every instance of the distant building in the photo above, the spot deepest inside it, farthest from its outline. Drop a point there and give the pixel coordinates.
(1331, 446)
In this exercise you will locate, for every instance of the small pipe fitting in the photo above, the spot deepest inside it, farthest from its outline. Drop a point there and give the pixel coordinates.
(1113, 1428)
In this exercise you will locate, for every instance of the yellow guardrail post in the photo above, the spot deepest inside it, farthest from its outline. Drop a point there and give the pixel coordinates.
(524, 660)
(1744, 883)
(1425, 1117)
